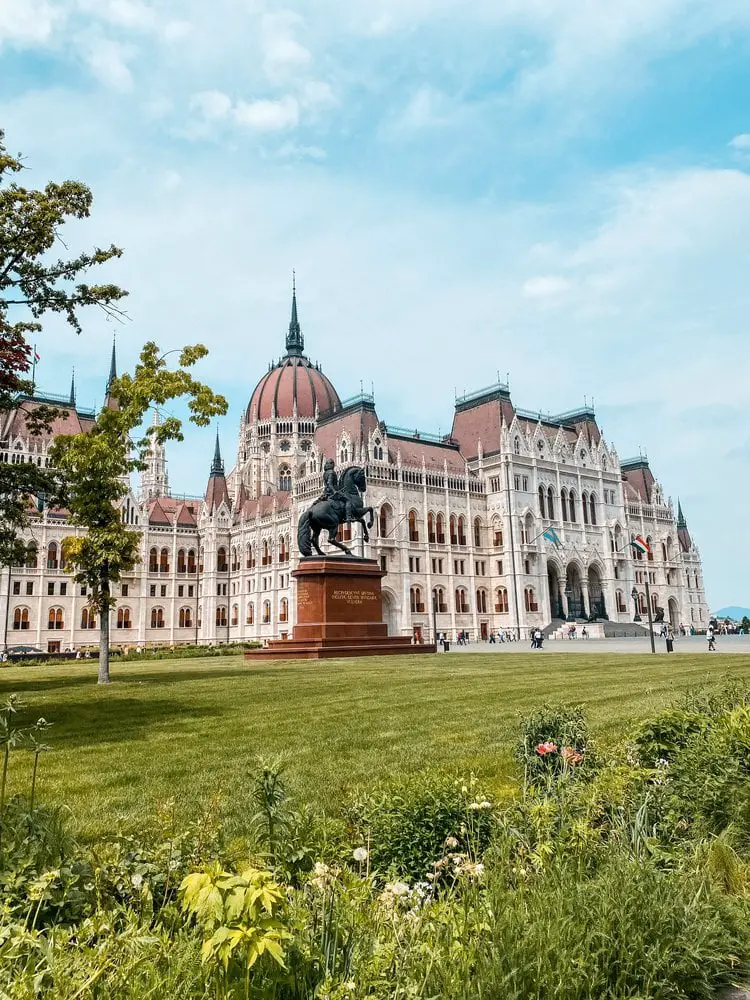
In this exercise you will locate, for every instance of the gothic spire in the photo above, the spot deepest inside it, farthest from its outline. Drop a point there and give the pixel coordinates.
(295, 342)
(681, 522)
(112, 366)
(73, 388)
(217, 466)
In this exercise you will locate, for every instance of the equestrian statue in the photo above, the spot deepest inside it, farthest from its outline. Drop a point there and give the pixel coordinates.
(340, 503)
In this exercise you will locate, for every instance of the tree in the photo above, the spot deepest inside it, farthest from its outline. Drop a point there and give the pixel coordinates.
(32, 284)
(94, 468)
(745, 625)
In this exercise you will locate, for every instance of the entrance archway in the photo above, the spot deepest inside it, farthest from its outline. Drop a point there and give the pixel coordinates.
(390, 615)
(555, 592)
(597, 606)
(674, 614)
(574, 593)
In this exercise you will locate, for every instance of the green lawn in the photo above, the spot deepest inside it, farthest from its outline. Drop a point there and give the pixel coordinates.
(191, 728)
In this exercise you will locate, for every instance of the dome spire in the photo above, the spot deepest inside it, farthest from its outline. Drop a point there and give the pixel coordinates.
(295, 342)
(217, 466)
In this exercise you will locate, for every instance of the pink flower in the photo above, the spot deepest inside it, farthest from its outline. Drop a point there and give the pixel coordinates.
(545, 748)
(571, 756)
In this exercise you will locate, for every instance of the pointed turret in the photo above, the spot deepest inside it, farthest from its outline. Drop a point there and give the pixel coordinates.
(73, 389)
(683, 535)
(295, 342)
(154, 478)
(217, 490)
(110, 401)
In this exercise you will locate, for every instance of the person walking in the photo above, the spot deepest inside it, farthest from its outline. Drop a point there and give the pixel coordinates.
(711, 636)
(669, 638)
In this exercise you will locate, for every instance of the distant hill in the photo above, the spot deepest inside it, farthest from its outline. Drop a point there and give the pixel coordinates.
(736, 613)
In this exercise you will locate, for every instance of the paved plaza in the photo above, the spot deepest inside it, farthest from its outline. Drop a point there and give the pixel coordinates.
(687, 644)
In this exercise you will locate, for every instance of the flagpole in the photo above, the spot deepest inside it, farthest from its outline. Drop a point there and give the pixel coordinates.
(33, 369)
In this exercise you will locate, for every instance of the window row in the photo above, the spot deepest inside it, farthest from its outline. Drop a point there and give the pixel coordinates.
(265, 610)
(461, 600)
(438, 530)
(158, 561)
(55, 557)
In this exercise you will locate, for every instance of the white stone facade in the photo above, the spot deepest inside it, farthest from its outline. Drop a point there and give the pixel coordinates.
(459, 528)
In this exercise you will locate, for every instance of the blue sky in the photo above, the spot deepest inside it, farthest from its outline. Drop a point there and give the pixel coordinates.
(551, 188)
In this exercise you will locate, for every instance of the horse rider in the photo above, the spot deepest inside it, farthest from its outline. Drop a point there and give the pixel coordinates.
(331, 489)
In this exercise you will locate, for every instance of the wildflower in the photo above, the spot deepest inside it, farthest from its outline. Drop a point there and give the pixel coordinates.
(351, 985)
(544, 748)
(464, 789)
(571, 756)
(474, 806)
(484, 804)
(451, 842)
(398, 888)
(360, 854)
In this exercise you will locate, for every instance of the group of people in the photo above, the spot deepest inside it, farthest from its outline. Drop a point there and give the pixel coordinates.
(572, 632)
(498, 636)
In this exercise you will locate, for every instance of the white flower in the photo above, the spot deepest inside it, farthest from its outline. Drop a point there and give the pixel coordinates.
(451, 842)
(474, 806)
(398, 888)
(137, 880)
(360, 854)
(320, 870)
(484, 804)
(351, 985)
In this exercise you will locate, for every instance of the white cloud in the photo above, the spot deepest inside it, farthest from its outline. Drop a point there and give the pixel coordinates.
(741, 141)
(317, 95)
(107, 62)
(268, 115)
(283, 55)
(545, 287)
(30, 22)
(211, 104)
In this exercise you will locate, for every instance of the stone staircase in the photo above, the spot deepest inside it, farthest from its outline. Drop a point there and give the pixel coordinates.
(558, 629)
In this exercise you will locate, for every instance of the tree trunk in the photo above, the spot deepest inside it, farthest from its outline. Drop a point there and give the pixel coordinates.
(104, 630)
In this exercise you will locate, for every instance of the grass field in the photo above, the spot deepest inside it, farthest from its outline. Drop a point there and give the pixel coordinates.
(191, 728)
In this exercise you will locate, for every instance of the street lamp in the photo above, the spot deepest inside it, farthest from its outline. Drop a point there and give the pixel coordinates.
(634, 595)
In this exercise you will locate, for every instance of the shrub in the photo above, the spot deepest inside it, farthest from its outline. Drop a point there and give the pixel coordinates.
(406, 825)
(660, 738)
(554, 739)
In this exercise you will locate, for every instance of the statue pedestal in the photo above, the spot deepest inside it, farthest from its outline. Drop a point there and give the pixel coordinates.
(339, 613)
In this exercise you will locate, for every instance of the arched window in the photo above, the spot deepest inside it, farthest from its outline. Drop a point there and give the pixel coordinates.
(31, 555)
(235, 614)
(164, 561)
(452, 526)
(664, 554)
(52, 555)
(191, 561)
(250, 616)
(497, 534)
(620, 601)
(222, 565)
(181, 566)
(344, 452)
(285, 478)
(235, 559)
(564, 504)
(585, 507)
(377, 450)
(654, 602)
(550, 503)
(266, 612)
(438, 600)
(477, 533)
(592, 508)
(572, 501)
(55, 619)
(123, 618)
(650, 554)
(462, 604)
(185, 618)
(385, 519)
(21, 619)
(157, 617)
(221, 616)
(482, 602)
(462, 530)
(501, 601)
(529, 599)
(249, 557)
(346, 532)
(283, 550)
(431, 527)
(516, 445)
(88, 618)
(415, 600)
(440, 529)
(283, 610)
(153, 560)
(266, 557)
(642, 606)
(413, 526)
(541, 500)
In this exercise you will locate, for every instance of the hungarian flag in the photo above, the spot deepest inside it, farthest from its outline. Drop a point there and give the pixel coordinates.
(551, 535)
(36, 356)
(640, 544)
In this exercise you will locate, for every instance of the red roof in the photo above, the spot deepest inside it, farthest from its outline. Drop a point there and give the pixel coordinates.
(163, 511)
(293, 380)
(264, 505)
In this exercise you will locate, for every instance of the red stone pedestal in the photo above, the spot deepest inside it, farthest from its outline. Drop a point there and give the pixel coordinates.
(339, 613)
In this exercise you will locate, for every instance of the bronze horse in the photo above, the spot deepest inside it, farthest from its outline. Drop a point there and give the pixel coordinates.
(344, 507)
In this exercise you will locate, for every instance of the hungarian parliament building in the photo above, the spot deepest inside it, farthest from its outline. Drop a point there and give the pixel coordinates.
(513, 521)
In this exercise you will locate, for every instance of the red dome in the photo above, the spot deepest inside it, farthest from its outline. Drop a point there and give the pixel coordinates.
(294, 380)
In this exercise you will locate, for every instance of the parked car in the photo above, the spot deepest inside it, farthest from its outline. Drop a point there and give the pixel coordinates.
(28, 650)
